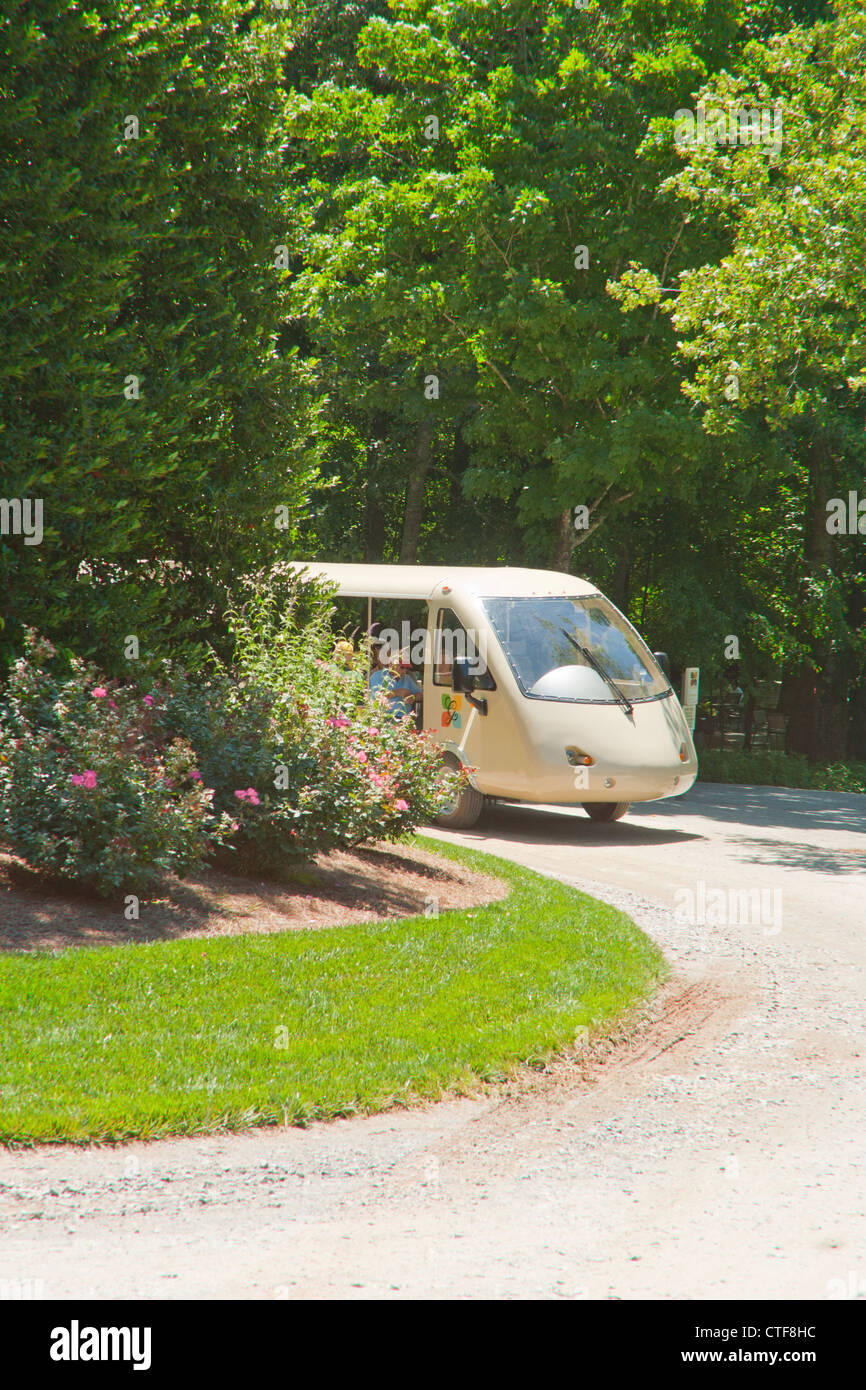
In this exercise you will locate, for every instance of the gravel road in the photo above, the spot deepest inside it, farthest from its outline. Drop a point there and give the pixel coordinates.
(717, 1152)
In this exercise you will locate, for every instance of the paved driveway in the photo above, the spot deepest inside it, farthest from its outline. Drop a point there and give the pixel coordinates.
(720, 1151)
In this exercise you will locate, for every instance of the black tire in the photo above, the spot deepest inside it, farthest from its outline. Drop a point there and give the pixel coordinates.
(605, 810)
(467, 805)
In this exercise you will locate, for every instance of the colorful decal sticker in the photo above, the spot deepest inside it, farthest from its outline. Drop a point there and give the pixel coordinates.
(451, 706)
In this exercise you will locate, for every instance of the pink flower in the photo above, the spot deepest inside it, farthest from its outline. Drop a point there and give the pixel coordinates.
(401, 805)
(99, 692)
(362, 756)
(377, 779)
(77, 780)
(87, 780)
(235, 825)
(337, 721)
(248, 794)
(112, 704)
(195, 774)
(148, 700)
(374, 733)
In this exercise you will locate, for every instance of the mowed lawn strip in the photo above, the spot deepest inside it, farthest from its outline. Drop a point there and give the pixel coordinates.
(105, 1044)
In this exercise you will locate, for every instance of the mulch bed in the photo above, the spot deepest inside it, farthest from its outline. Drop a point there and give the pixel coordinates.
(376, 883)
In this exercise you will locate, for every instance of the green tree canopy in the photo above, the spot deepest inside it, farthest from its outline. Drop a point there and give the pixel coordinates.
(467, 206)
(776, 330)
(144, 400)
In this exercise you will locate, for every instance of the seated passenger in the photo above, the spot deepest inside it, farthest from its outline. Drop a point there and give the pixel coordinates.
(397, 683)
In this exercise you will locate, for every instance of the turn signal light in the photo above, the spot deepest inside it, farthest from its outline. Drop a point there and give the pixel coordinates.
(578, 758)
(684, 756)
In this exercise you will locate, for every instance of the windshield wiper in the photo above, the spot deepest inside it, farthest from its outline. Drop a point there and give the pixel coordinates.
(597, 666)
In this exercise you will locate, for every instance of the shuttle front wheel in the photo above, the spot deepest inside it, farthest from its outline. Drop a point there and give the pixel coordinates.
(605, 810)
(466, 802)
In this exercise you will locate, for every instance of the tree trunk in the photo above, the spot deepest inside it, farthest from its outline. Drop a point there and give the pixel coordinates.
(816, 700)
(374, 513)
(797, 701)
(817, 719)
(566, 540)
(833, 726)
(619, 587)
(374, 525)
(374, 528)
(857, 724)
(749, 722)
(415, 490)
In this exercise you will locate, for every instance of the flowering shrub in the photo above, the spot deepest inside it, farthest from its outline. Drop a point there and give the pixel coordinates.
(284, 756)
(89, 791)
(297, 777)
(344, 771)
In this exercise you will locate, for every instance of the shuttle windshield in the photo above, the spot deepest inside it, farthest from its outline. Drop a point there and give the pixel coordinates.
(577, 649)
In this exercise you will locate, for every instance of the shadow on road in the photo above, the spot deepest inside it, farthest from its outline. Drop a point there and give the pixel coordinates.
(538, 825)
(788, 807)
(792, 854)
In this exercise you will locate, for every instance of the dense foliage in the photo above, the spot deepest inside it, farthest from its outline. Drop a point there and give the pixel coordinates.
(111, 785)
(450, 175)
(144, 401)
(410, 280)
(90, 789)
(781, 316)
(294, 744)
(770, 768)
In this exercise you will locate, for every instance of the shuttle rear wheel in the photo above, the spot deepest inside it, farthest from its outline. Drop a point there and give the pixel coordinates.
(605, 810)
(467, 802)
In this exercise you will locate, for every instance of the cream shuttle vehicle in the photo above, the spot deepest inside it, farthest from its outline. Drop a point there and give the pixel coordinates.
(534, 682)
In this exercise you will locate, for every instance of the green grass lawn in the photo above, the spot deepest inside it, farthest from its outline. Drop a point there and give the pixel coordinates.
(185, 1037)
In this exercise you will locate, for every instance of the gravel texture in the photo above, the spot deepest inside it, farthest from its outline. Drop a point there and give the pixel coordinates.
(716, 1150)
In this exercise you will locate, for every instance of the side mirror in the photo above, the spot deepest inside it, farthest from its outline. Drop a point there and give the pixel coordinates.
(463, 681)
(664, 661)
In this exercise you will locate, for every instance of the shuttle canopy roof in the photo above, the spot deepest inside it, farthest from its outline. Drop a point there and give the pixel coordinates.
(427, 581)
